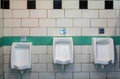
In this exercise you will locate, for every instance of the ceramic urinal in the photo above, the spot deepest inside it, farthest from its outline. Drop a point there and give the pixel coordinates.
(63, 50)
(103, 50)
(21, 55)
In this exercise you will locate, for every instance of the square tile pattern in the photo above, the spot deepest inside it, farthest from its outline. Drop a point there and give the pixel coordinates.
(57, 4)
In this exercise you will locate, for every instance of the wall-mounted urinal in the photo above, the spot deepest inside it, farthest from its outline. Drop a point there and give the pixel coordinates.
(103, 49)
(62, 50)
(21, 55)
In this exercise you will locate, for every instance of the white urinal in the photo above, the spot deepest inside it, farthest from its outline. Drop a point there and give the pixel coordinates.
(103, 50)
(21, 55)
(63, 50)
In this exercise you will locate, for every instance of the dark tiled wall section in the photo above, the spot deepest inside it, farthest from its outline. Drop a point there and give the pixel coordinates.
(5, 4)
(83, 4)
(108, 4)
(57, 4)
(31, 4)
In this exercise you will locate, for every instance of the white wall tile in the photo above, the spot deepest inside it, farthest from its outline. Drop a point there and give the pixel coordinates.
(96, 4)
(38, 14)
(81, 23)
(46, 75)
(113, 75)
(6, 59)
(54, 68)
(73, 14)
(54, 32)
(63, 75)
(20, 13)
(20, 31)
(55, 13)
(35, 59)
(12, 23)
(50, 50)
(1, 72)
(70, 4)
(89, 13)
(7, 50)
(44, 4)
(29, 22)
(45, 59)
(30, 76)
(7, 31)
(2, 77)
(73, 68)
(89, 31)
(110, 31)
(117, 13)
(1, 23)
(86, 49)
(7, 68)
(89, 67)
(38, 31)
(98, 22)
(82, 75)
(2, 51)
(1, 13)
(1, 33)
(18, 4)
(64, 23)
(82, 58)
(73, 32)
(117, 59)
(39, 67)
(11, 76)
(113, 23)
(47, 23)
(117, 4)
(77, 50)
(97, 75)
(117, 33)
(42, 50)
(7, 13)
(107, 14)
(1, 63)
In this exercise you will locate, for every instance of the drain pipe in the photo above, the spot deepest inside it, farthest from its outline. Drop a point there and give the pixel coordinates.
(21, 73)
(63, 66)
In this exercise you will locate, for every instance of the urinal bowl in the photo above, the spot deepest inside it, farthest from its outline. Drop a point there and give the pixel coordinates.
(62, 50)
(21, 55)
(103, 49)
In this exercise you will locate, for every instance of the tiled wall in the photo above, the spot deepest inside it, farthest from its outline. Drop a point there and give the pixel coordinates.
(1, 48)
(46, 21)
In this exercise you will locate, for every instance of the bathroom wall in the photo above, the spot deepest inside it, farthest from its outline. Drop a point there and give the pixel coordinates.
(44, 21)
(1, 41)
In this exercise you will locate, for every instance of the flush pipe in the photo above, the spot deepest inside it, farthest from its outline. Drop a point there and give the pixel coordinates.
(102, 66)
(62, 66)
(21, 73)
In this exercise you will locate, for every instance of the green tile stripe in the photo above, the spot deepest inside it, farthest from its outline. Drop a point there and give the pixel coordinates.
(1, 41)
(48, 40)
